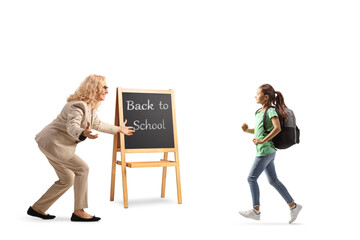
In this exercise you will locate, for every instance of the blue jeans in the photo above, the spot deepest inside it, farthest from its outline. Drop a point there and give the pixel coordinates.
(266, 163)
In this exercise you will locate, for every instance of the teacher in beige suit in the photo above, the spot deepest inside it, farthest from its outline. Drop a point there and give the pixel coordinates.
(58, 142)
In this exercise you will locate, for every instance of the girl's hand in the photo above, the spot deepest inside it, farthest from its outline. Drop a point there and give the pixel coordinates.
(126, 130)
(245, 127)
(257, 141)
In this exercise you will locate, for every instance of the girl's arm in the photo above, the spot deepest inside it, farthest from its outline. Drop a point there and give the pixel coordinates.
(246, 128)
(277, 128)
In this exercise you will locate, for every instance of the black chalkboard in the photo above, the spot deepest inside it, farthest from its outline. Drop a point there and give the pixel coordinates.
(151, 116)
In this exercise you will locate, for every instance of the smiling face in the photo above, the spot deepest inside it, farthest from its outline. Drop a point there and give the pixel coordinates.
(260, 97)
(103, 91)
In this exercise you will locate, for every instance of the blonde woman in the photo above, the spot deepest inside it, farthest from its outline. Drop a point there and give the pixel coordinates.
(58, 142)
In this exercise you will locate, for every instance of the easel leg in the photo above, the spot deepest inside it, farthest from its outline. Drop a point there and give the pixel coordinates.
(178, 184)
(164, 176)
(115, 150)
(112, 186)
(124, 180)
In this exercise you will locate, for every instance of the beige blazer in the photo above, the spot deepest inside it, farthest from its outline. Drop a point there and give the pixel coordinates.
(60, 137)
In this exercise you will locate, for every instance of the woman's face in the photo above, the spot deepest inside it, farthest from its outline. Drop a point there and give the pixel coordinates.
(260, 97)
(104, 90)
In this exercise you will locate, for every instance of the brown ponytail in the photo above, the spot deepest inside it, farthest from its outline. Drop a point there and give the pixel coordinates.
(275, 99)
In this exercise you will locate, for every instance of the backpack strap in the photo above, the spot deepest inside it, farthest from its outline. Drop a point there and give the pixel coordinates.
(264, 121)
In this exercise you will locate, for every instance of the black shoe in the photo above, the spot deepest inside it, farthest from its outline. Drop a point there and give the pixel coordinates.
(34, 213)
(76, 218)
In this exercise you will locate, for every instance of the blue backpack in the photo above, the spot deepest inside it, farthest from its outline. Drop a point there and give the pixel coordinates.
(290, 133)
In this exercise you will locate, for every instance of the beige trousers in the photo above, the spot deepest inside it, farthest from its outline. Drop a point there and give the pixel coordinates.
(66, 170)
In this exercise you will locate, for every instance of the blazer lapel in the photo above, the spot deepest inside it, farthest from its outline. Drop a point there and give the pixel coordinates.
(91, 117)
(88, 116)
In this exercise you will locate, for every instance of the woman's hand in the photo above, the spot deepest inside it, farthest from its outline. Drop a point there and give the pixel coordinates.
(257, 141)
(87, 132)
(126, 130)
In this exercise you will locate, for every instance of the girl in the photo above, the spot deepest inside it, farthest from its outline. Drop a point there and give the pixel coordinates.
(265, 150)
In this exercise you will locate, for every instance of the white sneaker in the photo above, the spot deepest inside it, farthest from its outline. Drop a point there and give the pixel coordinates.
(253, 214)
(294, 212)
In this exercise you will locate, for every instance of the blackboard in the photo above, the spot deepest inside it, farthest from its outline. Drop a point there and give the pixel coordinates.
(151, 116)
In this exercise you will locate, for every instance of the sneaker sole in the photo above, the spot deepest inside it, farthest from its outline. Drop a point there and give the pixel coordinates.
(249, 217)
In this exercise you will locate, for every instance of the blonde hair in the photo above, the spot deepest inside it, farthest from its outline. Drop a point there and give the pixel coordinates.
(88, 90)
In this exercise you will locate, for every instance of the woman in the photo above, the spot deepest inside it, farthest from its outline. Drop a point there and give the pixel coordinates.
(58, 142)
(265, 150)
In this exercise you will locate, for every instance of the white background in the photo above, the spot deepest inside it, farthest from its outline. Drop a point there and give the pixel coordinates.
(214, 54)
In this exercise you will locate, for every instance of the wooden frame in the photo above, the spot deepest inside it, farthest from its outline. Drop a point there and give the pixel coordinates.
(119, 146)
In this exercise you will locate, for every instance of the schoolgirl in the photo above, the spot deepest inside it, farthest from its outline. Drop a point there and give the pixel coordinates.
(265, 150)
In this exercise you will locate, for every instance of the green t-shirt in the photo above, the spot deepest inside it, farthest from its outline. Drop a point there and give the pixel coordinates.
(268, 147)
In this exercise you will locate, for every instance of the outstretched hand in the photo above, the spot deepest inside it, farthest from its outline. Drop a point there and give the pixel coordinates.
(244, 127)
(126, 130)
(87, 132)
